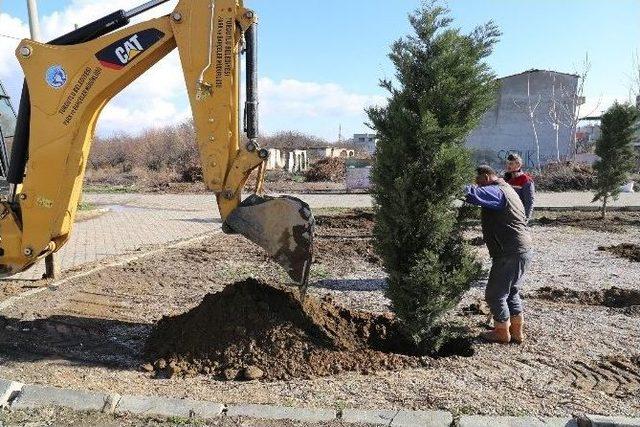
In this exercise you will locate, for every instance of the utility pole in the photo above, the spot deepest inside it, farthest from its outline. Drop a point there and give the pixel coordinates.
(34, 23)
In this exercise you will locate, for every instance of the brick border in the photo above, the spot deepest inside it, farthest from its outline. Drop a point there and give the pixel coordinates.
(16, 395)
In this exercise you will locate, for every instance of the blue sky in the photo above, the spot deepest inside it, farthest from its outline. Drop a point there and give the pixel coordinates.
(318, 48)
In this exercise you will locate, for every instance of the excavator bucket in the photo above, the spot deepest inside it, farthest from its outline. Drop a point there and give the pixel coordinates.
(283, 226)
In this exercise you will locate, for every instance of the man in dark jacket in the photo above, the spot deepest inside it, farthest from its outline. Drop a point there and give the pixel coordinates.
(505, 231)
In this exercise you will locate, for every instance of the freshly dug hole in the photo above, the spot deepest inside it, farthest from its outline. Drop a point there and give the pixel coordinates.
(252, 330)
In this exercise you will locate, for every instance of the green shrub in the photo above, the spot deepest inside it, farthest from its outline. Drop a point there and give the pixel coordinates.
(616, 152)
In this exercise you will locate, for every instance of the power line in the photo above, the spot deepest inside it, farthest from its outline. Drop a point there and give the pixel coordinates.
(10, 37)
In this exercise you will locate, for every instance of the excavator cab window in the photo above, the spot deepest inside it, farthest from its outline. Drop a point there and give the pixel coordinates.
(7, 128)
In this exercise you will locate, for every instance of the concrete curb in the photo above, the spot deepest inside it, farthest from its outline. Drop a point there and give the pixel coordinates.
(184, 408)
(8, 391)
(16, 395)
(398, 418)
(35, 396)
(269, 412)
(484, 421)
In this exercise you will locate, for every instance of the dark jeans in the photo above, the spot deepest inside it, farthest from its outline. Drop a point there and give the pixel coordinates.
(505, 282)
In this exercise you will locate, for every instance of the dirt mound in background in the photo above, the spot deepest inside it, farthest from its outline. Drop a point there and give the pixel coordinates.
(329, 169)
(252, 330)
(629, 251)
(613, 297)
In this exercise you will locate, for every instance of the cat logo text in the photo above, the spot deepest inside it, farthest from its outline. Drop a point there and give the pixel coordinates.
(121, 53)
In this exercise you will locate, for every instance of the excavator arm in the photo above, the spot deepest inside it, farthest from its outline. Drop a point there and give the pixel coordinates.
(70, 80)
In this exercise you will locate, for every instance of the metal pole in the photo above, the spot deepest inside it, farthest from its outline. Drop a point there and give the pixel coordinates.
(34, 23)
(143, 8)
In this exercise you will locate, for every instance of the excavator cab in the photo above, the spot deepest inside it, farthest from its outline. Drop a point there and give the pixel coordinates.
(69, 80)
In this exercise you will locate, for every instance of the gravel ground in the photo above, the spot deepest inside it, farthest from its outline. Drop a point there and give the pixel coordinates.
(577, 359)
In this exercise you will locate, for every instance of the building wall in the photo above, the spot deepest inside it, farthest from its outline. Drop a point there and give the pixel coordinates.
(298, 161)
(339, 152)
(365, 142)
(507, 127)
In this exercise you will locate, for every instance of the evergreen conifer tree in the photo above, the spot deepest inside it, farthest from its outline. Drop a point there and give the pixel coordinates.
(442, 88)
(615, 148)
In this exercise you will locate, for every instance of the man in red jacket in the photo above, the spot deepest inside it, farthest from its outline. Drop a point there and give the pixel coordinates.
(521, 182)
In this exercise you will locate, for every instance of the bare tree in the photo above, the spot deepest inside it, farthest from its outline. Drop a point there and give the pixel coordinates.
(570, 102)
(554, 116)
(530, 109)
(634, 89)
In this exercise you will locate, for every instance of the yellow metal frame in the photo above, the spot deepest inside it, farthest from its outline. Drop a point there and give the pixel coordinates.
(63, 120)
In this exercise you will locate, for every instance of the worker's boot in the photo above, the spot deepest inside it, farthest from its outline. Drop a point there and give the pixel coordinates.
(499, 334)
(515, 329)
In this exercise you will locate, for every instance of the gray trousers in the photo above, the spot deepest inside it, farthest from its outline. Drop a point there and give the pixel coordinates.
(505, 282)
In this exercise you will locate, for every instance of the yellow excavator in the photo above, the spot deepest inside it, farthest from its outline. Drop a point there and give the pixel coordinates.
(69, 80)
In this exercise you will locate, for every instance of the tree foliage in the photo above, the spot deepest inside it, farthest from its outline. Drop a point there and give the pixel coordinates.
(442, 88)
(615, 148)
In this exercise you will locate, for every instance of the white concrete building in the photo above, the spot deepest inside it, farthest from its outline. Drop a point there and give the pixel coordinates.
(276, 160)
(365, 142)
(534, 116)
(339, 152)
(298, 161)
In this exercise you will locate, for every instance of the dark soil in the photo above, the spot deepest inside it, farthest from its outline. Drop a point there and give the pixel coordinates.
(252, 330)
(615, 223)
(345, 236)
(329, 169)
(613, 297)
(629, 251)
(334, 250)
(357, 219)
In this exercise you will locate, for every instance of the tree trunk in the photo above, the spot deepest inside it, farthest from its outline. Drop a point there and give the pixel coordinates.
(604, 207)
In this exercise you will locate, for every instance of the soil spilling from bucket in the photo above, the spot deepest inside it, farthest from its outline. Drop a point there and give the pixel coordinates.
(252, 330)
(629, 251)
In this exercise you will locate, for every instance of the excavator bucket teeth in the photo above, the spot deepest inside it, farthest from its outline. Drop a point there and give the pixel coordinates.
(283, 226)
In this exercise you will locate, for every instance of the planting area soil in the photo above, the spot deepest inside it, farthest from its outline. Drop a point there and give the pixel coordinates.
(616, 222)
(629, 251)
(581, 356)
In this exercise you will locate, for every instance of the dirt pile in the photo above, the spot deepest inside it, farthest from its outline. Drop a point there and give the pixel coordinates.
(629, 251)
(329, 169)
(251, 330)
(617, 223)
(613, 297)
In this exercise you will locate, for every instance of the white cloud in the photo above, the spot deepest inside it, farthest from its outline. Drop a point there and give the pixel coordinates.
(10, 72)
(159, 96)
(296, 99)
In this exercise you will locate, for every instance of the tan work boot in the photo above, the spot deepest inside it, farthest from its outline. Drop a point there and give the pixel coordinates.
(499, 334)
(515, 329)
